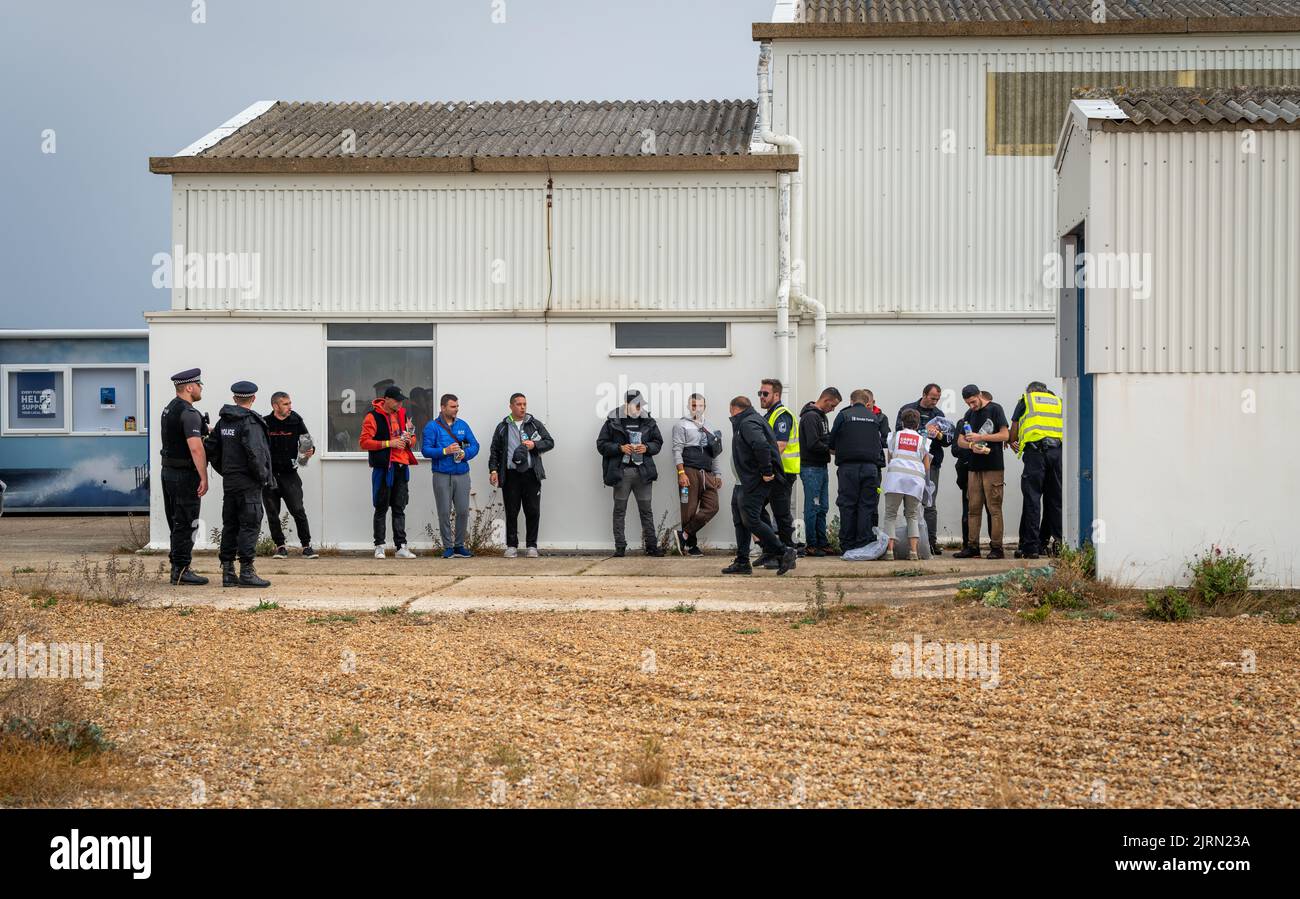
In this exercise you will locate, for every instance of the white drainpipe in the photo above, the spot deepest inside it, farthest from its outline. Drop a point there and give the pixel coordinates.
(784, 180)
(793, 236)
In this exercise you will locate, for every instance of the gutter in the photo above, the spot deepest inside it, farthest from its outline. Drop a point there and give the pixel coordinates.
(766, 31)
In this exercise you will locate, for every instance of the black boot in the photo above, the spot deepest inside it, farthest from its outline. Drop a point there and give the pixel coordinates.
(654, 549)
(184, 577)
(228, 576)
(739, 566)
(788, 560)
(248, 576)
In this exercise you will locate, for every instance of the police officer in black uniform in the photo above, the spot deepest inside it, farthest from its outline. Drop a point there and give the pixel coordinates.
(184, 472)
(241, 452)
(858, 442)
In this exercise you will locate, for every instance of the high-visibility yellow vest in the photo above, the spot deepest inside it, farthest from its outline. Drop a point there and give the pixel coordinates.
(790, 456)
(1044, 417)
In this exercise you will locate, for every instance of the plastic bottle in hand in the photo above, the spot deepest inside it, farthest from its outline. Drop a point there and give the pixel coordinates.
(686, 495)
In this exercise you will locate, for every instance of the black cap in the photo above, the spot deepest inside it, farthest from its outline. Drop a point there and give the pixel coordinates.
(243, 389)
(969, 391)
(189, 376)
(394, 393)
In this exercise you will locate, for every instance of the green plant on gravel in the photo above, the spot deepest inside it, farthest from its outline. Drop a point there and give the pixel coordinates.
(995, 599)
(1021, 578)
(684, 608)
(1036, 614)
(349, 736)
(1082, 560)
(909, 572)
(1062, 598)
(390, 610)
(185, 612)
(749, 630)
(1219, 574)
(333, 619)
(264, 606)
(80, 738)
(1169, 605)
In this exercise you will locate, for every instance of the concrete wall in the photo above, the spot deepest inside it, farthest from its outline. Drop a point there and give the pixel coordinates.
(570, 377)
(1187, 461)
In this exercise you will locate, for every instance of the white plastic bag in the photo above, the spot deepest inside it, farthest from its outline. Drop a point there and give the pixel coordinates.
(871, 552)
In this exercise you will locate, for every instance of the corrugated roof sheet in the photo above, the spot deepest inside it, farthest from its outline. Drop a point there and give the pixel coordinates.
(533, 129)
(1200, 107)
(945, 11)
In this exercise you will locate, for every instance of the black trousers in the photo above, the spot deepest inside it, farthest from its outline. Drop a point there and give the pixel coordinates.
(780, 490)
(180, 488)
(288, 487)
(858, 502)
(747, 504)
(1040, 486)
(522, 489)
(241, 523)
(392, 499)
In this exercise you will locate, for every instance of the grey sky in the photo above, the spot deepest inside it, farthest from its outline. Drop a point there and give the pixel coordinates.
(121, 81)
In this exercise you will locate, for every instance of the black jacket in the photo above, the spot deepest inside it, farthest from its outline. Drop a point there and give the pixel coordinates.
(533, 430)
(613, 434)
(858, 436)
(238, 449)
(754, 450)
(814, 437)
(936, 443)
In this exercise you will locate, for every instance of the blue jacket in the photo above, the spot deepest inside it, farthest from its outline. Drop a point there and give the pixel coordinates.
(436, 438)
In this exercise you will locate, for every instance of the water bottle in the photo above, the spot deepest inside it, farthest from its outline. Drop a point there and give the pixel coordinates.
(686, 495)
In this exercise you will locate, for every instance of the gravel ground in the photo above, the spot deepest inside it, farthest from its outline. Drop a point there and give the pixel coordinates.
(282, 708)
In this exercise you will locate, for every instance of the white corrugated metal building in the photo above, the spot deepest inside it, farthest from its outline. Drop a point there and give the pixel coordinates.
(1182, 384)
(924, 224)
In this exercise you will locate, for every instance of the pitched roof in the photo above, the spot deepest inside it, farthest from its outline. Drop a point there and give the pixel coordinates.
(1180, 108)
(497, 136)
(902, 18)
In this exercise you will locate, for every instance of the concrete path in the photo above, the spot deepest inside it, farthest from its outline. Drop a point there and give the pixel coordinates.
(359, 583)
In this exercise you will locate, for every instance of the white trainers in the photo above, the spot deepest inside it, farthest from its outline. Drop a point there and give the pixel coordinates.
(404, 553)
(532, 552)
(379, 552)
(511, 552)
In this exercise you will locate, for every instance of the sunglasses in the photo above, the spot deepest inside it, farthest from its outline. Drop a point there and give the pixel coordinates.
(765, 393)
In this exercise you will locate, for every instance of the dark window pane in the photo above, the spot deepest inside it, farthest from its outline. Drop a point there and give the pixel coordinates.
(396, 331)
(355, 375)
(670, 335)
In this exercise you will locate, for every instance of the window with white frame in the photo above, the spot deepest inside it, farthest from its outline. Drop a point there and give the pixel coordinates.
(669, 338)
(81, 399)
(361, 360)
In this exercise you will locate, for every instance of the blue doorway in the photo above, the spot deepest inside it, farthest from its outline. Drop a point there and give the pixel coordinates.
(1085, 472)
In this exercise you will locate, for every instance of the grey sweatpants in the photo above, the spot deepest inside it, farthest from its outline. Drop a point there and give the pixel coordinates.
(451, 490)
(911, 505)
(634, 484)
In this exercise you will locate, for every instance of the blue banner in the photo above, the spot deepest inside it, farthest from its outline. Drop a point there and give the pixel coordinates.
(36, 394)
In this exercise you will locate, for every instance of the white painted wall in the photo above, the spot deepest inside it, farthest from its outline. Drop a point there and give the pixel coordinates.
(1182, 465)
(906, 210)
(569, 375)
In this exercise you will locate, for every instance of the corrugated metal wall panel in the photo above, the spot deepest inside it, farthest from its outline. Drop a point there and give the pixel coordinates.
(1221, 230)
(622, 242)
(894, 223)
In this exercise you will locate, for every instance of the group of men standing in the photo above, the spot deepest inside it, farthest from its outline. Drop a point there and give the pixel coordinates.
(257, 457)
(771, 448)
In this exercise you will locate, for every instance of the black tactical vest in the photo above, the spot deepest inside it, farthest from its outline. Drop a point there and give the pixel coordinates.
(175, 445)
